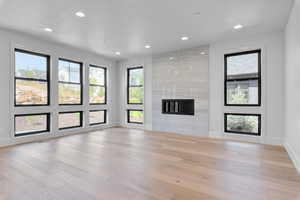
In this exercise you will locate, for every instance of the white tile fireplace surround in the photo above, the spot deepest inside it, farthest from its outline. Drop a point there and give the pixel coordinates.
(181, 75)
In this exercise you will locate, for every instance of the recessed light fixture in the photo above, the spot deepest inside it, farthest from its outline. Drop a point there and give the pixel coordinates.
(147, 46)
(197, 13)
(171, 58)
(48, 30)
(118, 53)
(80, 14)
(184, 38)
(239, 26)
(203, 53)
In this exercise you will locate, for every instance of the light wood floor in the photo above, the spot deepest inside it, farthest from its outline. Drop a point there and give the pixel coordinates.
(128, 164)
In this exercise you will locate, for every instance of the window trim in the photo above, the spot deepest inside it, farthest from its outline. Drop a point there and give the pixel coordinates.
(129, 86)
(65, 82)
(48, 81)
(48, 121)
(240, 132)
(71, 127)
(105, 84)
(128, 116)
(99, 123)
(258, 51)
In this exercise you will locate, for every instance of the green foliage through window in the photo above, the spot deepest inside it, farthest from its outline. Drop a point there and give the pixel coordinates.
(135, 85)
(97, 88)
(242, 123)
(135, 116)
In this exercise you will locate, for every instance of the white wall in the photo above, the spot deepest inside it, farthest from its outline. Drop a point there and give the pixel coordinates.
(10, 40)
(185, 58)
(292, 87)
(272, 109)
(181, 74)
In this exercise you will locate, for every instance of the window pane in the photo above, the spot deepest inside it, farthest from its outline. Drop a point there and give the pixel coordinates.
(30, 123)
(69, 120)
(69, 71)
(243, 124)
(74, 73)
(97, 76)
(136, 76)
(97, 94)
(136, 95)
(135, 116)
(246, 64)
(97, 117)
(30, 66)
(69, 93)
(242, 92)
(31, 92)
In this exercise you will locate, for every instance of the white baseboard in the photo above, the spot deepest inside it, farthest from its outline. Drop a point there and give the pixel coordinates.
(247, 138)
(293, 156)
(274, 141)
(216, 134)
(46, 136)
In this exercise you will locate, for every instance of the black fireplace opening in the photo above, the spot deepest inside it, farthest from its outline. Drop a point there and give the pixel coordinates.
(178, 106)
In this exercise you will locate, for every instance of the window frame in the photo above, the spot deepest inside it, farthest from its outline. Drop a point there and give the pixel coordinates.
(48, 121)
(32, 79)
(136, 86)
(241, 132)
(65, 82)
(105, 84)
(128, 116)
(258, 51)
(71, 127)
(98, 123)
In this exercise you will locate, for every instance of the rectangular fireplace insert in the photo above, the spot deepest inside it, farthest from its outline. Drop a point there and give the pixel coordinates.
(178, 106)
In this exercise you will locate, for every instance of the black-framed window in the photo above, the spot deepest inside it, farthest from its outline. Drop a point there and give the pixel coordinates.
(97, 117)
(135, 85)
(69, 82)
(32, 78)
(97, 85)
(243, 79)
(72, 119)
(249, 124)
(29, 124)
(135, 116)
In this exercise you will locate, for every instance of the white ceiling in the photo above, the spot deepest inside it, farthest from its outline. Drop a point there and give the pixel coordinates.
(127, 25)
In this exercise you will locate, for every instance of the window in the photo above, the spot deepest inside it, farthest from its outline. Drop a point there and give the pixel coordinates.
(68, 120)
(70, 82)
(97, 80)
(249, 124)
(28, 124)
(97, 117)
(243, 79)
(135, 116)
(135, 82)
(32, 82)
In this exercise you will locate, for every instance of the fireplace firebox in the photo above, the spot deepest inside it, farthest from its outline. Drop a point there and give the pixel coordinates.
(178, 106)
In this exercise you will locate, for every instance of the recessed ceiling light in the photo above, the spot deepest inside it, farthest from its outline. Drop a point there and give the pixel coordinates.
(239, 26)
(197, 13)
(80, 14)
(118, 53)
(48, 30)
(171, 58)
(203, 53)
(184, 38)
(147, 46)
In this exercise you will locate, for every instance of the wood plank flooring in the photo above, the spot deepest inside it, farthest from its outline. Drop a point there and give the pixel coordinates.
(129, 164)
